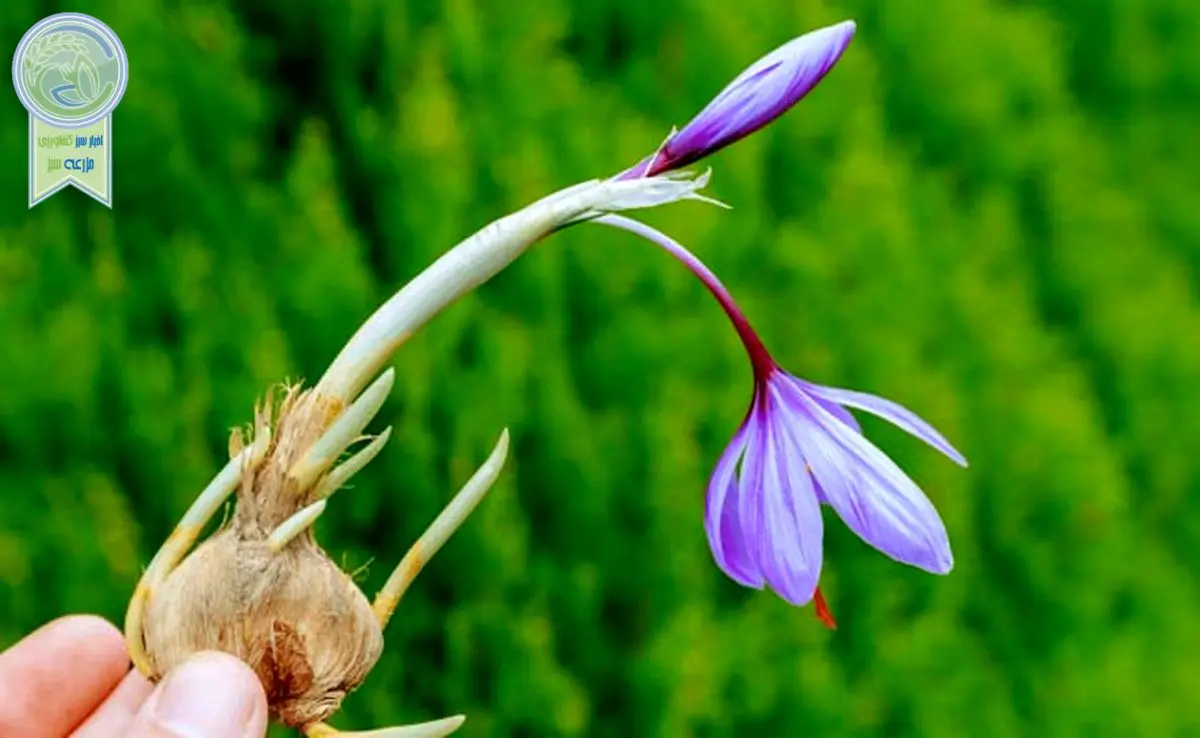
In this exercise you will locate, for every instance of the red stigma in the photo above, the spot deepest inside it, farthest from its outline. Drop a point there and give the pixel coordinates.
(823, 613)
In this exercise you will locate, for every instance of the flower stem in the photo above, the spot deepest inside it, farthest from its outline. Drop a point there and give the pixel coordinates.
(760, 360)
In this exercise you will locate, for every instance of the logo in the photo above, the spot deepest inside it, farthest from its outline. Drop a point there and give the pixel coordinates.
(70, 72)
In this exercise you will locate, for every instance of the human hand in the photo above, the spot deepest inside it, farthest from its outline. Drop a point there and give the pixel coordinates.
(71, 677)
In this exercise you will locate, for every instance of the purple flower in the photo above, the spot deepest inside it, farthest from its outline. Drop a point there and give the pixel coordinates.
(797, 449)
(759, 95)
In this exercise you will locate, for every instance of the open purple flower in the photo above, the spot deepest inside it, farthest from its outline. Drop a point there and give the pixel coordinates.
(757, 96)
(798, 448)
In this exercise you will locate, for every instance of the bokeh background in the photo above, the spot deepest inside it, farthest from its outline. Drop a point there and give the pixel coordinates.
(986, 212)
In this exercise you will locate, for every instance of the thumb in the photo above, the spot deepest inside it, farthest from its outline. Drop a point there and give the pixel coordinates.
(212, 695)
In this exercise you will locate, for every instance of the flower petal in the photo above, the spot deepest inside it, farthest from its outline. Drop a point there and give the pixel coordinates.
(871, 494)
(795, 407)
(790, 554)
(894, 413)
(757, 96)
(840, 413)
(726, 536)
(749, 486)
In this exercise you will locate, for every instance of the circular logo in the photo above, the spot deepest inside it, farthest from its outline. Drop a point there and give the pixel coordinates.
(70, 70)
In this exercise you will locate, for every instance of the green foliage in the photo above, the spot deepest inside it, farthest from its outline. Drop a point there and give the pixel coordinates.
(986, 212)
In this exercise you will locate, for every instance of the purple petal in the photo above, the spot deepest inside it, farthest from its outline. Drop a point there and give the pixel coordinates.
(896, 414)
(721, 519)
(790, 553)
(870, 493)
(794, 407)
(749, 485)
(839, 412)
(759, 95)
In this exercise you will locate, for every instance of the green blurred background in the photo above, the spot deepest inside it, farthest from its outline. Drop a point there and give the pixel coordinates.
(986, 212)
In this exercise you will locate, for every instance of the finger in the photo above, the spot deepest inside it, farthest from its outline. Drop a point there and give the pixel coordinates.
(113, 718)
(52, 679)
(213, 695)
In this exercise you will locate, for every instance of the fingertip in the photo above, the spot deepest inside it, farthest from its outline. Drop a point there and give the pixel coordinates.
(234, 673)
(212, 693)
(66, 668)
(99, 640)
(92, 629)
(87, 637)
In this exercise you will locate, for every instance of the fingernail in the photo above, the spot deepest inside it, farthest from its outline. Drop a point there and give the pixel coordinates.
(206, 697)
